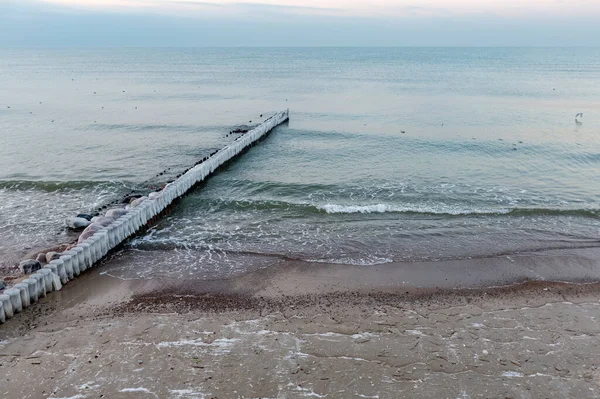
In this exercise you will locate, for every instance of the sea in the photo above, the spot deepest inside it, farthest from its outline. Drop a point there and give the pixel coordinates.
(390, 154)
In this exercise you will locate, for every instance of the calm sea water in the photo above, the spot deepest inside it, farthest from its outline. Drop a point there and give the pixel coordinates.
(391, 154)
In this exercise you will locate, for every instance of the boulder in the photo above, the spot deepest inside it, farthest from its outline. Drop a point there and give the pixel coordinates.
(137, 201)
(85, 216)
(2, 285)
(102, 220)
(129, 198)
(89, 231)
(115, 213)
(30, 266)
(77, 223)
(41, 257)
(50, 256)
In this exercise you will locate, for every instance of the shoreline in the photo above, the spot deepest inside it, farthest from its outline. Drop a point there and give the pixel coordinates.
(526, 278)
(306, 330)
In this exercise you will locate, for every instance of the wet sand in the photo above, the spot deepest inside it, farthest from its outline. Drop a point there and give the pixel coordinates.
(308, 330)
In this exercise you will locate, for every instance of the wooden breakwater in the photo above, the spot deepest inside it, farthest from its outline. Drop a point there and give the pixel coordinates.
(127, 222)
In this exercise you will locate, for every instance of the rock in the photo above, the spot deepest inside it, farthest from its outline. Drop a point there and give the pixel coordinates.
(30, 266)
(89, 231)
(2, 285)
(85, 216)
(137, 201)
(115, 213)
(102, 220)
(50, 256)
(77, 223)
(130, 198)
(41, 257)
(154, 195)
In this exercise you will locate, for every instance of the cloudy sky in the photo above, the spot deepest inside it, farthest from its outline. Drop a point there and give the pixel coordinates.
(299, 22)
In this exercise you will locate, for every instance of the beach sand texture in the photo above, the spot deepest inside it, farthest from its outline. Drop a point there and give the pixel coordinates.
(112, 338)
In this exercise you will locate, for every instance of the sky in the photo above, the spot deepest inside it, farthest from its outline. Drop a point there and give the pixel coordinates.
(218, 23)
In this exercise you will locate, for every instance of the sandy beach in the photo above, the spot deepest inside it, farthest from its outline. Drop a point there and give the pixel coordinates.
(310, 330)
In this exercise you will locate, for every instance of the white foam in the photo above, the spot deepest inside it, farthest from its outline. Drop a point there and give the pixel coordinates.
(220, 345)
(415, 332)
(384, 208)
(184, 393)
(135, 390)
(370, 261)
(512, 374)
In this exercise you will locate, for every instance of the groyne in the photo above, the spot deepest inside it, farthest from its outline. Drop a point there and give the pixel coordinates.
(94, 244)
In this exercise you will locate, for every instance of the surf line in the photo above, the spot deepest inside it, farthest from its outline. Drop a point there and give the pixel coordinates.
(106, 233)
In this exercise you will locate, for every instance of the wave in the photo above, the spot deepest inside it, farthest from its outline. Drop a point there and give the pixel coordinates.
(441, 209)
(153, 127)
(384, 208)
(51, 186)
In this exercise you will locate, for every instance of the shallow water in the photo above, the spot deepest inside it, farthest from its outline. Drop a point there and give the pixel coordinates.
(491, 160)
